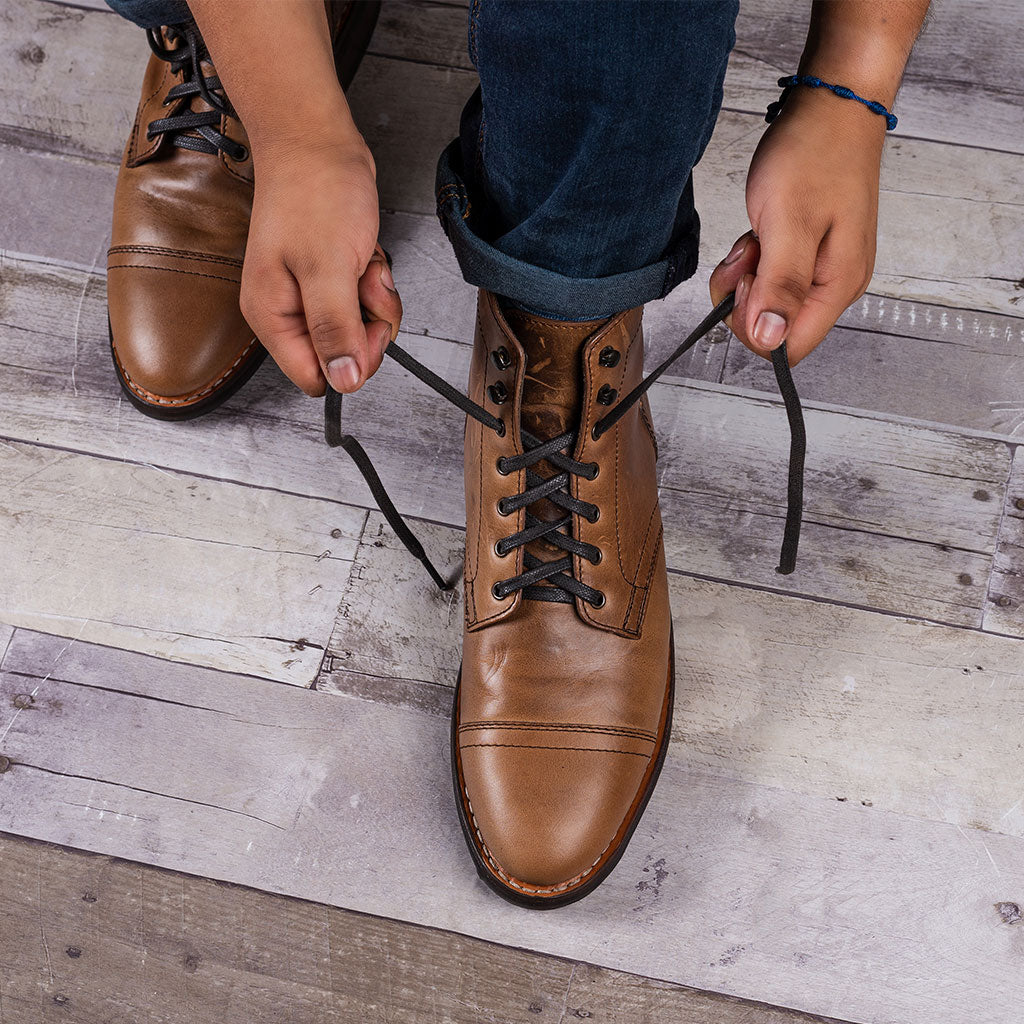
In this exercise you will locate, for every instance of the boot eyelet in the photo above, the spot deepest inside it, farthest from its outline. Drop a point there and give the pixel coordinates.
(500, 428)
(500, 550)
(498, 592)
(498, 393)
(596, 559)
(599, 602)
(593, 518)
(606, 395)
(502, 360)
(503, 510)
(240, 154)
(608, 357)
(501, 466)
(595, 471)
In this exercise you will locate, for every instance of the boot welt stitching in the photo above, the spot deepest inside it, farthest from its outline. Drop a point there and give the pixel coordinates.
(185, 399)
(522, 886)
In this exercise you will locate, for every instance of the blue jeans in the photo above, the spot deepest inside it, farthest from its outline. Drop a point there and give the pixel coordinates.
(569, 189)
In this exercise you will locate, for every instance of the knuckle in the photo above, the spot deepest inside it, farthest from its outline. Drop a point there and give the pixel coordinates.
(327, 332)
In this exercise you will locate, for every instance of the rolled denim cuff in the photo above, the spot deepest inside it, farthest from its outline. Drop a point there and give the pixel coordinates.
(152, 13)
(537, 289)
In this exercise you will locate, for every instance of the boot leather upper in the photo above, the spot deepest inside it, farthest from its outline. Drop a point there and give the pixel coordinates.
(562, 706)
(174, 269)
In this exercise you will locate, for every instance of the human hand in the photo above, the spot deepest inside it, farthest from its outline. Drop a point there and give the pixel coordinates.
(312, 260)
(812, 200)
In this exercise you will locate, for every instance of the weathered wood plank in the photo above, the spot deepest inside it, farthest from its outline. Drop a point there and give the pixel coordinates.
(889, 355)
(782, 692)
(103, 939)
(1005, 610)
(776, 896)
(409, 111)
(899, 517)
(239, 578)
(910, 359)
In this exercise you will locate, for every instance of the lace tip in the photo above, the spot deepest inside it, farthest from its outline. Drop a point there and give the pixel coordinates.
(442, 583)
(786, 567)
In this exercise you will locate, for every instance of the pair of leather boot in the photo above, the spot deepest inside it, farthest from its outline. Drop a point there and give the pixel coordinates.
(563, 705)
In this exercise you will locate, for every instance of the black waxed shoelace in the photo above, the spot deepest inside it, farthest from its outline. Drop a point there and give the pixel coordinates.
(554, 580)
(189, 129)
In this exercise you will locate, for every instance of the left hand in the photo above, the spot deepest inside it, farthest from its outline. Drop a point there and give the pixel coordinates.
(812, 199)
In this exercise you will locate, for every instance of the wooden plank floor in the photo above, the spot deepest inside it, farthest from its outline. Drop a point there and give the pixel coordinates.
(839, 831)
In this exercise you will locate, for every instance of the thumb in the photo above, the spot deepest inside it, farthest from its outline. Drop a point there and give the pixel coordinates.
(783, 278)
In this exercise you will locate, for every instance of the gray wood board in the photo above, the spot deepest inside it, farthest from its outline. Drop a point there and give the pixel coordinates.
(93, 938)
(772, 690)
(727, 886)
(123, 553)
(1005, 607)
(899, 517)
(888, 355)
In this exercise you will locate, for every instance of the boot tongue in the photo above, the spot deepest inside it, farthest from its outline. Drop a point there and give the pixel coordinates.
(551, 393)
(554, 372)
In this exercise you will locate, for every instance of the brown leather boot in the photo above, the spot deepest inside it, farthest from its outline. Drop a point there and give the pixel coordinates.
(181, 218)
(564, 701)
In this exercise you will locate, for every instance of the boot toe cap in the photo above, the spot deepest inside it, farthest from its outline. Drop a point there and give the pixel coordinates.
(545, 819)
(176, 344)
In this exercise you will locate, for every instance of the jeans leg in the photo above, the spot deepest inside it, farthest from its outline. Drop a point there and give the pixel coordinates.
(569, 189)
(151, 13)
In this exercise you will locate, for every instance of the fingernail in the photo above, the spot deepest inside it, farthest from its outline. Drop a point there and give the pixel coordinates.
(770, 330)
(385, 336)
(735, 252)
(386, 278)
(343, 373)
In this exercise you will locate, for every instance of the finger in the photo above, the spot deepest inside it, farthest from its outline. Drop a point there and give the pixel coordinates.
(781, 283)
(273, 310)
(347, 353)
(378, 296)
(741, 261)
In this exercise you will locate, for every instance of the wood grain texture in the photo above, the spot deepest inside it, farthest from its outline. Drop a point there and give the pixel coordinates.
(899, 517)
(1005, 610)
(199, 570)
(92, 938)
(798, 695)
(727, 886)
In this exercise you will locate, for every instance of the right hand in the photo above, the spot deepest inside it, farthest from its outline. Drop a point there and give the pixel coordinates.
(312, 260)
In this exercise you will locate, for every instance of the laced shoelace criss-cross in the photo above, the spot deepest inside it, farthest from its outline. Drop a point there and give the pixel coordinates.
(188, 129)
(554, 580)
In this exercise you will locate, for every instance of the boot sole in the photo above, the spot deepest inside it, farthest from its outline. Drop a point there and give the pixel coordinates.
(348, 49)
(615, 849)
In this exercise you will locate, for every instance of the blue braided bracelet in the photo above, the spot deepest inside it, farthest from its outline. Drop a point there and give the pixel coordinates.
(840, 90)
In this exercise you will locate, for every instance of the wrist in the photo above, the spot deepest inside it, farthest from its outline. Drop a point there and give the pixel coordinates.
(306, 141)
